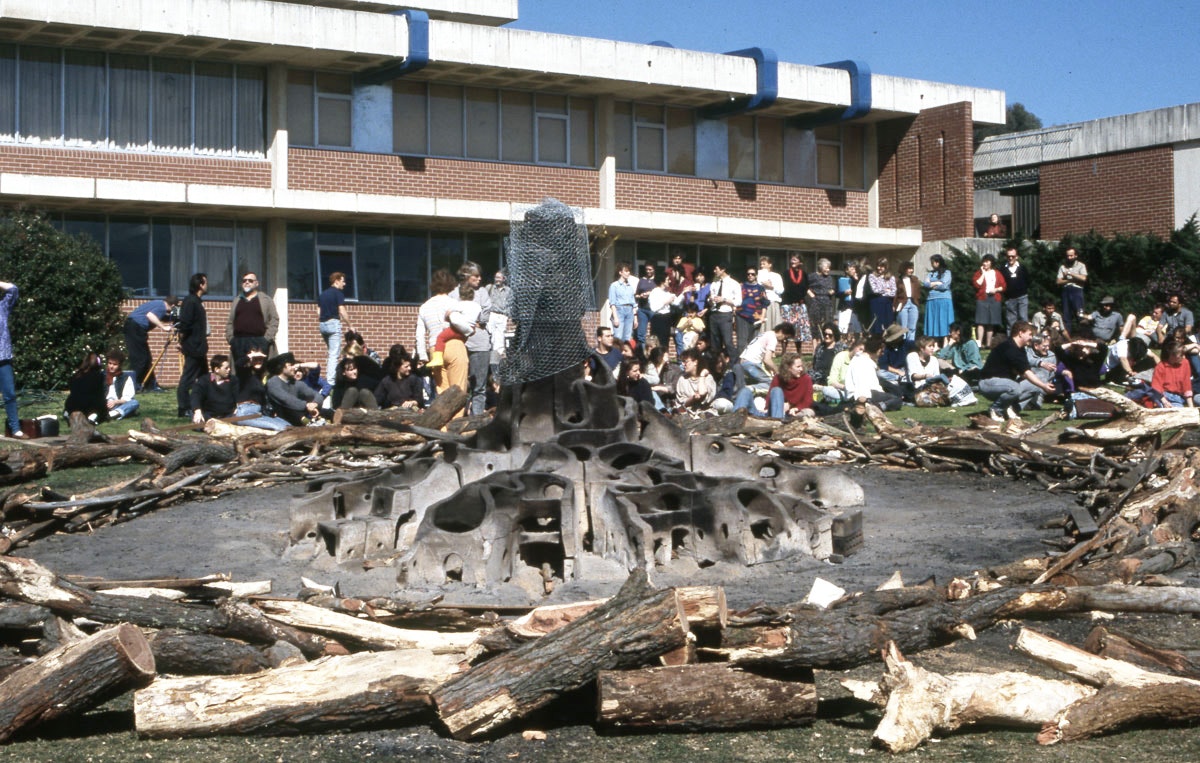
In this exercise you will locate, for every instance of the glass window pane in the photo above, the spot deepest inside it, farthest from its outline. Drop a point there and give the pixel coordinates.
(828, 132)
(214, 106)
(739, 259)
(484, 250)
(90, 226)
(41, 91)
(551, 104)
(335, 84)
(8, 90)
(335, 235)
(333, 121)
(129, 248)
(445, 251)
(623, 134)
(483, 123)
(337, 261)
(712, 255)
(583, 132)
(741, 147)
(681, 142)
(129, 101)
(160, 257)
(852, 157)
(446, 113)
(644, 112)
(552, 140)
(770, 150)
(301, 261)
(250, 254)
(829, 159)
(183, 255)
(172, 94)
(516, 132)
(216, 260)
(84, 96)
(650, 148)
(251, 110)
(373, 259)
(410, 257)
(408, 118)
(300, 108)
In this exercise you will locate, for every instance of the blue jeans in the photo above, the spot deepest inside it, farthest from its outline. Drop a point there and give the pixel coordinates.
(755, 375)
(123, 410)
(1072, 303)
(1007, 392)
(331, 333)
(907, 317)
(776, 406)
(643, 315)
(262, 422)
(8, 388)
(624, 328)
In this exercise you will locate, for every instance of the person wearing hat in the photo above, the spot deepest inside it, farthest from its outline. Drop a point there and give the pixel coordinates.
(251, 374)
(1105, 322)
(293, 401)
(893, 362)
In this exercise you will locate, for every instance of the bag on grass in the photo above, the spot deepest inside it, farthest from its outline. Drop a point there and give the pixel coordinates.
(932, 395)
(960, 392)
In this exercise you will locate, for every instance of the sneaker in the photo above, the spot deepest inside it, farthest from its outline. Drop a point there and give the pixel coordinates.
(153, 390)
(19, 434)
(995, 414)
(1012, 413)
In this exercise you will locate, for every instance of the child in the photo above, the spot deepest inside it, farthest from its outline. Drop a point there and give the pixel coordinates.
(691, 325)
(462, 321)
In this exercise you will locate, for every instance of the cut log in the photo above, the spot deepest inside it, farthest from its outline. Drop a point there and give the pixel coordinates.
(704, 697)
(437, 415)
(920, 703)
(189, 654)
(332, 434)
(630, 630)
(1087, 667)
(369, 689)
(1118, 646)
(75, 678)
(365, 633)
(1118, 705)
(1134, 421)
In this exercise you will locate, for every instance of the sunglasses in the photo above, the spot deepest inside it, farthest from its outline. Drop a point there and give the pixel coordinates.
(249, 280)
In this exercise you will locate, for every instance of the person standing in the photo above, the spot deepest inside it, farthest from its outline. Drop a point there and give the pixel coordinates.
(8, 382)
(501, 295)
(1071, 278)
(479, 344)
(621, 303)
(773, 286)
(989, 291)
(1016, 288)
(193, 341)
(146, 316)
(253, 320)
(848, 322)
(749, 314)
(724, 296)
(795, 296)
(907, 301)
(333, 318)
(645, 285)
(939, 306)
(882, 286)
(821, 294)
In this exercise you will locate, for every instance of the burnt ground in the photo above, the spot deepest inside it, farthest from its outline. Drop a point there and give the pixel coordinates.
(918, 524)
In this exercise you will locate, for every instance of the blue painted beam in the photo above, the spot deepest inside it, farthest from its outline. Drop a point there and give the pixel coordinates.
(418, 52)
(767, 65)
(860, 98)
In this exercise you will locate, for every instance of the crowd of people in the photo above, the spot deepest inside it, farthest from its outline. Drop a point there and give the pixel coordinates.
(736, 345)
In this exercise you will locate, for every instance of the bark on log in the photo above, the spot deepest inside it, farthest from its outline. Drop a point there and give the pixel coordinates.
(183, 653)
(366, 633)
(332, 434)
(71, 456)
(630, 630)
(335, 693)
(436, 416)
(1118, 646)
(1117, 705)
(704, 697)
(1134, 421)
(75, 678)
(28, 581)
(920, 703)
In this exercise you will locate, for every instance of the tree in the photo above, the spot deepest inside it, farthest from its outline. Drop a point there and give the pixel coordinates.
(70, 296)
(1016, 119)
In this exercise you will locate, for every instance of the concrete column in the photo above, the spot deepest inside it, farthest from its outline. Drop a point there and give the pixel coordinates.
(277, 152)
(871, 165)
(607, 152)
(277, 273)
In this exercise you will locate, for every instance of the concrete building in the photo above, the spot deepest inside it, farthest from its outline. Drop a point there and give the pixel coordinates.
(302, 137)
(1134, 173)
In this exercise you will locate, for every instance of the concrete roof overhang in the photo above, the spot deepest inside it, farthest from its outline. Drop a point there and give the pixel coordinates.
(356, 41)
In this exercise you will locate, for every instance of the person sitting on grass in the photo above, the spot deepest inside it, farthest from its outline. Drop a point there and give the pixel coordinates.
(631, 382)
(86, 390)
(790, 393)
(922, 366)
(251, 376)
(961, 354)
(695, 389)
(402, 389)
(293, 401)
(120, 386)
(862, 379)
(351, 390)
(214, 395)
(1173, 377)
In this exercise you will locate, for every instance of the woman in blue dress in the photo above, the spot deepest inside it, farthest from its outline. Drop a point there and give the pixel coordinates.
(939, 305)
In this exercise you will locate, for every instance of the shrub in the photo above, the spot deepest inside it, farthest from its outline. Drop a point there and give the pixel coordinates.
(70, 298)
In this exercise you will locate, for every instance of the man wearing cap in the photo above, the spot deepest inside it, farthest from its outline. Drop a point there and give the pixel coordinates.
(253, 320)
(1106, 322)
(295, 402)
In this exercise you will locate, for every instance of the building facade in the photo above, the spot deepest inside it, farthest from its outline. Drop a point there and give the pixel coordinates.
(1134, 173)
(300, 138)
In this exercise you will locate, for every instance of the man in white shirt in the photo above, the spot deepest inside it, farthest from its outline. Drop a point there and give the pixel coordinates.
(756, 364)
(862, 378)
(723, 297)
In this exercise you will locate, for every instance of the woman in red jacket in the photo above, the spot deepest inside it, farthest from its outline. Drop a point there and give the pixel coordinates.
(989, 292)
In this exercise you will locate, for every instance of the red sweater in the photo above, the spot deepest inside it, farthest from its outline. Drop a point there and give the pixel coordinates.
(1176, 379)
(981, 293)
(797, 393)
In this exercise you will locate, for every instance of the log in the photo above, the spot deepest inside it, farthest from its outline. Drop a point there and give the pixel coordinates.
(1118, 705)
(1134, 421)
(633, 628)
(1118, 646)
(703, 697)
(71, 456)
(75, 678)
(1087, 667)
(183, 653)
(333, 434)
(921, 703)
(436, 416)
(369, 689)
(360, 631)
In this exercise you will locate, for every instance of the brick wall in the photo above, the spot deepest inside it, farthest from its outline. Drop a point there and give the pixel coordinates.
(120, 165)
(1129, 192)
(349, 172)
(925, 172)
(702, 196)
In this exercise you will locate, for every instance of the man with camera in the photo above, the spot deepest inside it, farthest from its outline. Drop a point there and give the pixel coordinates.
(155, 314)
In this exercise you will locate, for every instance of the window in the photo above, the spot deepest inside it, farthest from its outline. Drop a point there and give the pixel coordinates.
(111, 100)
(333, 92)
(409, 117)
(681, 142)
(741, 147)
(552, 123)
(841, 159)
